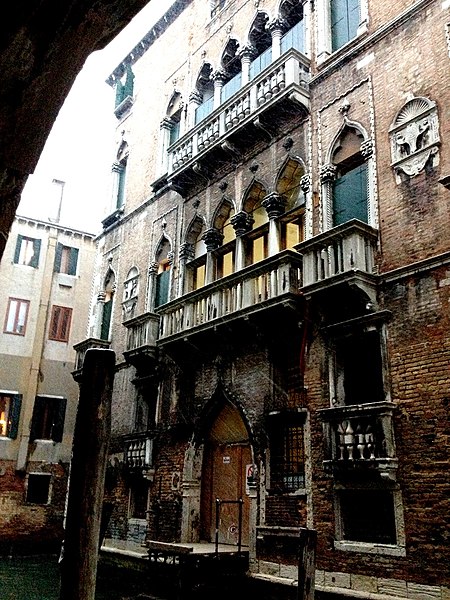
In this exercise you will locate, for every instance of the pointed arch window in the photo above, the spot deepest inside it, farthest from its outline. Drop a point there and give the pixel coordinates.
(174, 116)
(196, 271)
(163, 274)
(205, 89)
(257, 240)
(124, 93)
(231, 69)
(292, 15)
(260, 39)
(225, 254)
(289, 187)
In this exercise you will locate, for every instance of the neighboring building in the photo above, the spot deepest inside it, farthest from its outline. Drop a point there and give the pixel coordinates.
(274, 279)
(46, 280)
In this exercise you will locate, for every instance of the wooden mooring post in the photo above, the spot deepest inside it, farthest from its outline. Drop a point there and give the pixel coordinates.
(306, 563)
(79, 553)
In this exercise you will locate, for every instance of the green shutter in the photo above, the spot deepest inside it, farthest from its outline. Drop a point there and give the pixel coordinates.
(17, 250)
(162, 288)
(34, 262)
(119, 93)
(345, 15)
(350, 196)
(129, 83)
(106, 320)
(36, 420)
(14, 416)
(58, 254)
(73, 261)
(59, 416)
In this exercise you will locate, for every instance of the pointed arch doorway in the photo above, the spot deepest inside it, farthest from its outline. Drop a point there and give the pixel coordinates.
(227, 455)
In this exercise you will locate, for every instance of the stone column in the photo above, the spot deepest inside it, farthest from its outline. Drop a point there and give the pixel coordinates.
(195, 99)
(277, 27)
(164, 138)
(213, 238)
(152, 272)
(246, 55)
(186, 254)
(327, 176)
(101, 298)
(219, 78)
(242, 223)
(274, 204)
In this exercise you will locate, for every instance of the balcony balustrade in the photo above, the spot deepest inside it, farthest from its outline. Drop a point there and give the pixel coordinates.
(138, 453)
(254, 288)
(142, 333)
(342, 253)
(81, 348)
(359, 436)
(288, 75)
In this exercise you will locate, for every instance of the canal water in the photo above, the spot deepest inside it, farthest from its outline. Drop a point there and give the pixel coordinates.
(37, 578)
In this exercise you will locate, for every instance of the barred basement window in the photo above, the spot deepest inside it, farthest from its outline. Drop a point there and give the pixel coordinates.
(60, 323)
(38, 488)
(367, 516)
(287, 452)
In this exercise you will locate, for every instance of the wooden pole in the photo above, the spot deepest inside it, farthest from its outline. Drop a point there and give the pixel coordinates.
(79, 555)
(306, 564)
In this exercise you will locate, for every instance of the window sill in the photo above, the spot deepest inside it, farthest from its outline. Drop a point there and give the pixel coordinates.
(368, 548)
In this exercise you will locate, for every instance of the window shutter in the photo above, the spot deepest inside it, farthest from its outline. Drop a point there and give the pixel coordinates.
(14, 416)
(129, 84)
(36, 421)
(106, 320)
(59, 416)
(121, 186)
(17, 250)
(58, 255)
(119, 93)
(34, 262)
(350, 196)
(162, 287)
(73, 261)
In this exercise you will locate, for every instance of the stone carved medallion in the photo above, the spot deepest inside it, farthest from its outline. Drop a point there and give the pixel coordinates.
(414, 137)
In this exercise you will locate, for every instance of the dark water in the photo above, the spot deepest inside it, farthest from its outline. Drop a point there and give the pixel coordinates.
(37, 578)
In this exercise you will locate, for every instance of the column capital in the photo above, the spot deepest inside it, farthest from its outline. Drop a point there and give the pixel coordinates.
(277, 24)
(153, 268)
(367, 148)
(328, 173)
(242, 222)
(186, 251)
(195, 97)
(247, 52)
(219, 77)
(213, 238)
(274, 204)
(166, 123)
(305, 183)
(101, 296)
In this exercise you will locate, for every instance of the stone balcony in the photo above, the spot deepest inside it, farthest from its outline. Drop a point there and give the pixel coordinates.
(142, 333)
(138, 453)
(360, 436)
(81, 348)
(248, 114)
(343, 254)
(270, 283)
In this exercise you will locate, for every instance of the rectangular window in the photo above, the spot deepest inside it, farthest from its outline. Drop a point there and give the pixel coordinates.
(60, 323)
(27, 251)
(47, 422)
(345, 17)
(66, 259)
(139, 499)
(38, 488)
(367, 516)
(10, 405)
(16, 316)
(287, 453)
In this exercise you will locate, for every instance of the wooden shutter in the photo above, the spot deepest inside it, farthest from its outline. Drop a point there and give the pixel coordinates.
(38, 415)
(14, 416)
(345, 16)
(34, 262)
(58, 422)
(350, 196)
(162, 287)
(73, 261)
(17, 250)
(106, 320)
(58, 255)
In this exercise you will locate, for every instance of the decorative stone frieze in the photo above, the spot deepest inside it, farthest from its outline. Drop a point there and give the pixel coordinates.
(242, 222)
(414, 137)
(274, 204)
(213, 238)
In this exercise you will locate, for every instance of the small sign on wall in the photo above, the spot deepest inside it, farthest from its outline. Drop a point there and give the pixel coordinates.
(226, 460)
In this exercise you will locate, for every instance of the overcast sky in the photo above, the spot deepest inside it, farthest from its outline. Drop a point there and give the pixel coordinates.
(80, 147)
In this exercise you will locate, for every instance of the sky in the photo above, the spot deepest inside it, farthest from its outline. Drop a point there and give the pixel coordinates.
(79, 150)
